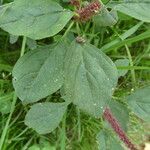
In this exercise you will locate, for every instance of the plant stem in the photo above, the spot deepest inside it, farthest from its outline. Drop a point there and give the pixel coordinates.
(23, 46)
(117, 128)
(68, 29)
(131, 64)
(25, 147)
(79, 124)
(63, 133)
(130, 61)
(5, 130)
(78, 28)
(93, 33)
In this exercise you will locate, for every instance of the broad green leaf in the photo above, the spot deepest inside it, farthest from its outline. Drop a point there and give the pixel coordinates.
(139, 102)
(45, 117)
(5, 103)
(138, 9)
(107, 141)
(121, 113)
(122, 63)
(37, 19)
(90, 77)
(106, 18)
(39, 73)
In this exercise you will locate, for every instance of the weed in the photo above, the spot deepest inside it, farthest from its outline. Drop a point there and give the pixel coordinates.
(65, 80)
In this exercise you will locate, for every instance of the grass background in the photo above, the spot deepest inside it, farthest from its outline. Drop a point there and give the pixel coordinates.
(80, 131)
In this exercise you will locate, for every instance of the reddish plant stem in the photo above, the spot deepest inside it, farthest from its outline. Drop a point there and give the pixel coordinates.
(117, 128)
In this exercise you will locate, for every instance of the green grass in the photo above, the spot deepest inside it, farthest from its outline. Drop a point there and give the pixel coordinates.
(127, 39)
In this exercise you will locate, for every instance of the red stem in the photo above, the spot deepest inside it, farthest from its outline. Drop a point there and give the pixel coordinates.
(117, 128)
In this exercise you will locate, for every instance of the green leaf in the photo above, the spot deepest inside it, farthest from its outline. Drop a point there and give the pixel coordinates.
(45, 117)
(32, 44)
(122, 63)
(106, 18)
(37, 19)
(120, 112)
(34, 147)
(3, 8)
(39, 73)
(13, 39)
(135, 8)
(139, 102)
(90, 77)
(42, 145)
(107, 141)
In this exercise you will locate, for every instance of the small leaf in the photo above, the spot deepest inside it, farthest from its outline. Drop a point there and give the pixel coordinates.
(135, 8)
(13, 39)
(42, 145)
(45, 117)
(31, 44)
(139, 101)
(90, 77)
(122, 63)
(39, 73)
(118, 110)
(106, 18)
(107, 141)
(37, 19)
